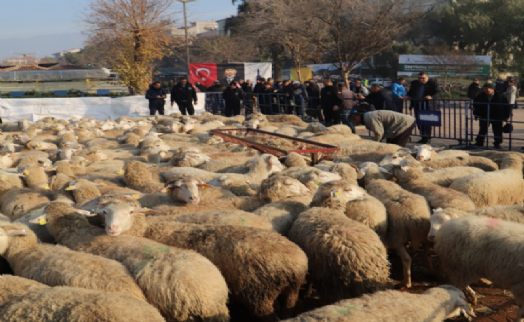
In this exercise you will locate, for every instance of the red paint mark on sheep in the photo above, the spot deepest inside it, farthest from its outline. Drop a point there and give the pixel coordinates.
(492, 223)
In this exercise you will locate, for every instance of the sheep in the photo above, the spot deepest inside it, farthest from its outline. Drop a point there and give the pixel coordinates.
(195, 160)
(346, 171)
(181, 284)
(83, 191)
(26, 300)
(237, 251)
(434, 305)
(59, 266)
(17, 203)
(295, 160)
(138, 177)
(35, 176)
(426, 152)
(195, 128)
(506, 213)
(311, 177)
(40, 146)
(408, 221)
(413, 180)
(224, 165)
(6, 160)
(224, 217)
(354, 202)
(502, 187)
(476, 247)
(462, 161)
(346, 258)
(186, 198)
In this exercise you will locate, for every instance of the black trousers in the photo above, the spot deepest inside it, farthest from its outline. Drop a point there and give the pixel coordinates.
(403, 138)
(232, 109)
(156, 107)
(483, 131)
(332, 117)
(186, 107)
(398, 105)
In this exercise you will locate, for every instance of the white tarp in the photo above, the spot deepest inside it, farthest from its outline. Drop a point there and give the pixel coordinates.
(99, 108)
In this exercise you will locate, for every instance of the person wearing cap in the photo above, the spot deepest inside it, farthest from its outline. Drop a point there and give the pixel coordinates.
(395, 127)
(298, 96)
(491, 107)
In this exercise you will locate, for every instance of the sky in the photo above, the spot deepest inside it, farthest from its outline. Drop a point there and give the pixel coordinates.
(22, 20)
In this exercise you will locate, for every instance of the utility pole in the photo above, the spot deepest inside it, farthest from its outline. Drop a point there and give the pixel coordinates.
(184, 2)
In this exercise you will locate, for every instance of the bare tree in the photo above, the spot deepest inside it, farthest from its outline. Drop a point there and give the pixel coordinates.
(135, 34)
(283, 22)
(447, 62)
(222, 49)
(358, 30)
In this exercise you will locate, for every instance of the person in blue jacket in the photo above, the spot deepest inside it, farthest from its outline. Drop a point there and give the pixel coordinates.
(157, 98)
(398, 94)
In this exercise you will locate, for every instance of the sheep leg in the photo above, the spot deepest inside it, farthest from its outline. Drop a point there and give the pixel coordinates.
(471, 295)
(427, 249)
(406, 265)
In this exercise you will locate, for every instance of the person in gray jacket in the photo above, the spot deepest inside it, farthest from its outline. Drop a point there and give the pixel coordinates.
(395, 127)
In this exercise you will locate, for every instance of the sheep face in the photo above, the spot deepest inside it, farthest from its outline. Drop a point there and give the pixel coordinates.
(424, 152)
(65, 154)
(437, 219)
(274, 189)
(460, 305)
(5, 235)
(274, 164)
(6, 160)
(321, 177)
(118, 218)
(347, 193)
(186, 190)
(196, 159)
(395, 158)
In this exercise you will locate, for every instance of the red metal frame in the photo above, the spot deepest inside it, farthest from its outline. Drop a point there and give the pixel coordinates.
(318, 151)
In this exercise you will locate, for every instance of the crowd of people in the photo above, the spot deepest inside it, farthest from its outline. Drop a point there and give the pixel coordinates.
(331, 103)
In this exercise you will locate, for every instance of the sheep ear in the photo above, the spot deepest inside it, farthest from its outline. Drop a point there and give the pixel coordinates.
(41, 220)
(145, 211)
(417, 148)
(334, 168)
(86, 213)
(437, 210)
(404, 152)
(288, 181)
(335, 194)
(383, 170)
(437, 148)
(70, 188)
(204, 186)
(428, 170)
(18, 233)
(464, 307)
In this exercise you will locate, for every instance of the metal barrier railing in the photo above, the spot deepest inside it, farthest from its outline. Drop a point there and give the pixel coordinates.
(65, 93)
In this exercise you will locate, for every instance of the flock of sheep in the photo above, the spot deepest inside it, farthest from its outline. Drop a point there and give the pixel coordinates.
(155, 219)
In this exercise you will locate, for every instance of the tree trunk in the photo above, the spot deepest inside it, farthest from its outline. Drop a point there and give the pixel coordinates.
(277, 67)
(345, 73)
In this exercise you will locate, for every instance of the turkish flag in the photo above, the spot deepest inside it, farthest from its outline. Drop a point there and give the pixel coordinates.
(204, 73)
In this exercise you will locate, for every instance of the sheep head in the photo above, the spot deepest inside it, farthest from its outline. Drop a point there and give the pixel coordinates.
(8, 232)
(424, 152)
(119, 217)
(457, 300)
(395, 158)
(279, 187)
(438, 218)
(195, 159)
(186, 190)
(337, 193)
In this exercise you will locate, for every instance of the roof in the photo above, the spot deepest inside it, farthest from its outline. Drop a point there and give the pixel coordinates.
(22, 68)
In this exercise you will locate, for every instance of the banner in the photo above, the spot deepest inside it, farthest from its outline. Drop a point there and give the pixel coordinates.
(207, 74)
(254, 71)
(204, 73)
(435, 66)
(305, 72)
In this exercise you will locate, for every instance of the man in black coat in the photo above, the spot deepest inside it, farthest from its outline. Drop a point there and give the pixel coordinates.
(233, 95)
(491, 107)
(422, 93)
(247, 87)
(330, 103)
(474, 89)
(377, 98)
(157, 98)
(184, 94)
(200, 87)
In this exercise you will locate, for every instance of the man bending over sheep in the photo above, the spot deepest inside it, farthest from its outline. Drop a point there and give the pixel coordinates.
(393, 126)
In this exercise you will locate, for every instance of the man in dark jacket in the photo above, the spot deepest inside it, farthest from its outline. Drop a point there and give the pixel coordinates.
(233, 95)
(491, 107)
(331, 103)
(214, 97)
(298, 97)
(248, 99)
(157, 98)
(200, 87)
(474, 89)
(184, 94)
(422, 93)
(377, 99)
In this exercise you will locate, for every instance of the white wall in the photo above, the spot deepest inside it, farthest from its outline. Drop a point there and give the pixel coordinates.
(99, 108)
